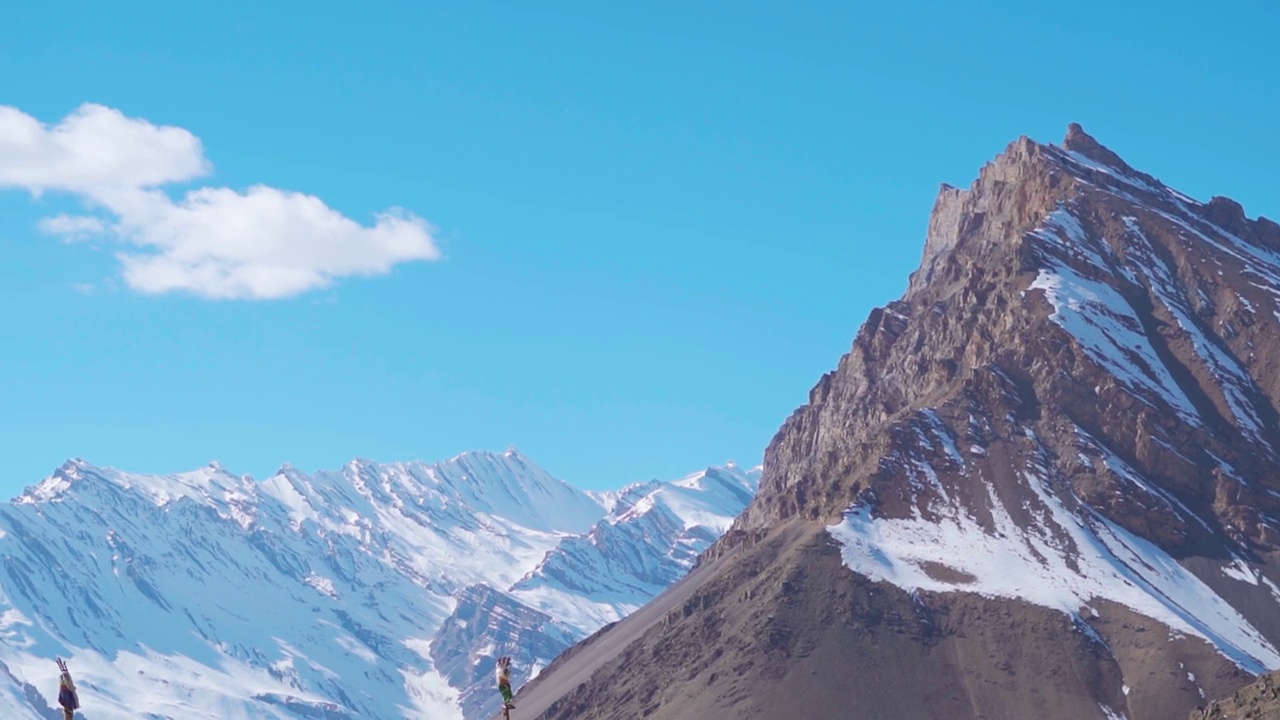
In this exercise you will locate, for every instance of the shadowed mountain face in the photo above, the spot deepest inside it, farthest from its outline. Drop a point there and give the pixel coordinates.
(1043, 483)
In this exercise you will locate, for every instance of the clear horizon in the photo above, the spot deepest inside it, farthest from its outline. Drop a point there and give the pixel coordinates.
(626, 242)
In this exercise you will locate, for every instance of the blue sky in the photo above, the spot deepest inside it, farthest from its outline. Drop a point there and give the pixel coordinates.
(631, 237)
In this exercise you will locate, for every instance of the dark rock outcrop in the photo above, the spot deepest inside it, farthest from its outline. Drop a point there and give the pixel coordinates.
(1257, 701)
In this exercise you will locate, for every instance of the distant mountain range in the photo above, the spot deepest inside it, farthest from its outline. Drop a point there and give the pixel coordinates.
(375, 591)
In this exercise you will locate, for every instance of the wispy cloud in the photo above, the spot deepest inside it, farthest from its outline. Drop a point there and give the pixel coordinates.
(72, 227)
(212, 242)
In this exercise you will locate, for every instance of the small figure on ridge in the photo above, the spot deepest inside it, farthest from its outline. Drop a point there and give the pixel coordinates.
(67, 696)
(503, 672)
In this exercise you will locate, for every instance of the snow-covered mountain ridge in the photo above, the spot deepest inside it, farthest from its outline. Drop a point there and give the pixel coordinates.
(375, 591)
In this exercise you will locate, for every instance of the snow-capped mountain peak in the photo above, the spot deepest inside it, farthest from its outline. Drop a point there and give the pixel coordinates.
(1042, 483)
(200, 485)
(335, 594)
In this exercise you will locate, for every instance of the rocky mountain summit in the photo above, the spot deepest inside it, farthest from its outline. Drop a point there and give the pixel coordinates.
(1043, 483)
(380, 590)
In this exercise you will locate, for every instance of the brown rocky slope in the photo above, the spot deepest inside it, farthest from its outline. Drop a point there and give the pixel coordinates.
(1042, 483)
(1257, 701)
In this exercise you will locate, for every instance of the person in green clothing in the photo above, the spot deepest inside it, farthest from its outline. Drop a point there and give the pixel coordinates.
(503, 672)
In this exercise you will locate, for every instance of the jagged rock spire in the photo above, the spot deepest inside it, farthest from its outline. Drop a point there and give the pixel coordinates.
(1077, 140)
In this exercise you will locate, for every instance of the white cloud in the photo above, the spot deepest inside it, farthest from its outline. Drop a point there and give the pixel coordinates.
(265, 243)
(72, 227)
(94, 148)
(212, 242)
